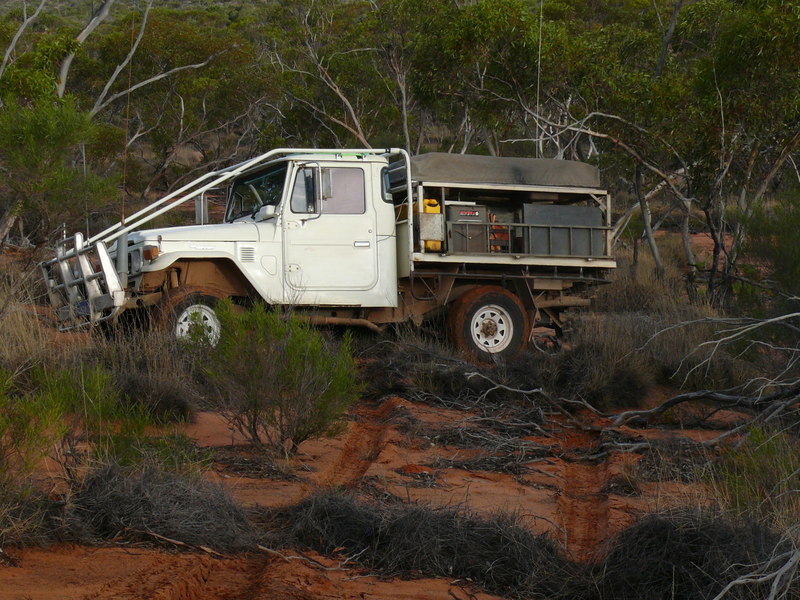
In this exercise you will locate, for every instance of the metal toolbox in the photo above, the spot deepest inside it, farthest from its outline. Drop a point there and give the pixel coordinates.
(554, 230)
(466, 229)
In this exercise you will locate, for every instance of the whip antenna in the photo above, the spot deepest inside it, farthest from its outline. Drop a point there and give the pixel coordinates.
(539, 81)
(127, 134)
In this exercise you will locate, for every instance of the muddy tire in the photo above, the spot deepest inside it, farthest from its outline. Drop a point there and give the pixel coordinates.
(489, 322)
(190, 313)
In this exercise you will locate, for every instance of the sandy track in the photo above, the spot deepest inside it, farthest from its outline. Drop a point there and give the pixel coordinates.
(74, 573)
(362, 446)
(583, 510)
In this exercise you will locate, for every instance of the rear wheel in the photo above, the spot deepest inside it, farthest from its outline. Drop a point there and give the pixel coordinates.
(489, 322)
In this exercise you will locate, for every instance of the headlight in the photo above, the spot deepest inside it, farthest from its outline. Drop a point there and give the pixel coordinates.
(135, 260)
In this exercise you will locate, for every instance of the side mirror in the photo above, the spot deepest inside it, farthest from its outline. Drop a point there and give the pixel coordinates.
(265, 213)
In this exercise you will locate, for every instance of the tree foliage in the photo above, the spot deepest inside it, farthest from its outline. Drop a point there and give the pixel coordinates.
(689, 107)
(47, 151)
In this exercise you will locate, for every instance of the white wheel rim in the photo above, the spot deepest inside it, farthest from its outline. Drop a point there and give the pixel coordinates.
(198, 316)
(492, 328)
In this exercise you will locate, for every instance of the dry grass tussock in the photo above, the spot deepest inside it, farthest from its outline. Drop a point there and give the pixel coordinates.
(759, 478)
(135, 502)
(644, 330)
(636, 287)
(493, 552)
(22, 336)
(151, 368)
(687, 555)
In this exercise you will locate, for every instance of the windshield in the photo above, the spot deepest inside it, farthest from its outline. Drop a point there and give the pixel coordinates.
(254, 191)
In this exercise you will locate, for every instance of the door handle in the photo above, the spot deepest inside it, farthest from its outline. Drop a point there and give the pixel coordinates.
(361, 244)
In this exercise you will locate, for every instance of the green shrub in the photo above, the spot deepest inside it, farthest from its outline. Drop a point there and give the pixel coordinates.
(97, 425)
(760, 479)
(27, 430)
(773, 244)
(279, 382)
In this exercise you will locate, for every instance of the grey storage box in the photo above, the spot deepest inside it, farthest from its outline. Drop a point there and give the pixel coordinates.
(466, 229)
(564, 230)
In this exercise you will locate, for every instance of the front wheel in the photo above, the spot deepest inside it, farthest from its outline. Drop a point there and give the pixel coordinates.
(191, 316)
(489, 322)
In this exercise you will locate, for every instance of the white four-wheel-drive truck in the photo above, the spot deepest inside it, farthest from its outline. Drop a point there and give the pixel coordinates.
(356, 237)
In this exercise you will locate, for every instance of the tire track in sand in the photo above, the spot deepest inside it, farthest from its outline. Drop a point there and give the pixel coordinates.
(582, 506)
(362, 446)
(163, 578)
(188, 577)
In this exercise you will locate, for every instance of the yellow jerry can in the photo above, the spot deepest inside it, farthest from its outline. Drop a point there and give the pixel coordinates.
(431, 205)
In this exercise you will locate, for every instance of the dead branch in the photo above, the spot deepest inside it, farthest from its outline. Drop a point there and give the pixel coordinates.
(780, 570)
(125, 61)
(500, 386)
(158, 77)
(781, 399)
(314, 563)
(537, 391)
(743, 328)
(5, 557)
(97, 18)
(178, 543)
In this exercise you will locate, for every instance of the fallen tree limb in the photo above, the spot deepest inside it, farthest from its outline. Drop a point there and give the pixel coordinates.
(781, 399)
(779, 571)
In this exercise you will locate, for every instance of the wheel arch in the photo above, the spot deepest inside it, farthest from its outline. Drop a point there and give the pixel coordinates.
(222, 275)
(465, 307)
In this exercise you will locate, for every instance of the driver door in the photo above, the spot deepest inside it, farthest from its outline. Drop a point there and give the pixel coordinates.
(329, 235)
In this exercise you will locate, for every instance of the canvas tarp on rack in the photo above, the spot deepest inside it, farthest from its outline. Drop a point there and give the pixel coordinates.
(441, 167)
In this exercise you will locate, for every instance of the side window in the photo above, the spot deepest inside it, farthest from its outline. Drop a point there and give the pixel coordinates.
(386, 185)
(343, 191)
(346, 195)
(302, 201)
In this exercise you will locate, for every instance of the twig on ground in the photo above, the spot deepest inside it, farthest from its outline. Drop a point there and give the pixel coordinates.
(314, 563)
(179, 543)
(8, 559)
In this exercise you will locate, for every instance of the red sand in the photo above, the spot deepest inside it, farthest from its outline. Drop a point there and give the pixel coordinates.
(562, 496)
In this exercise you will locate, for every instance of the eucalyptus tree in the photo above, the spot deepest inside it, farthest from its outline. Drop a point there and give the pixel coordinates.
(166, 84)
(745, 122)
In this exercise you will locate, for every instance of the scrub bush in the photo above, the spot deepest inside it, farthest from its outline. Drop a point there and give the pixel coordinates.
(279, 382)
(137, 501)
(493, 552)
(685, 555)
(27, 429)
